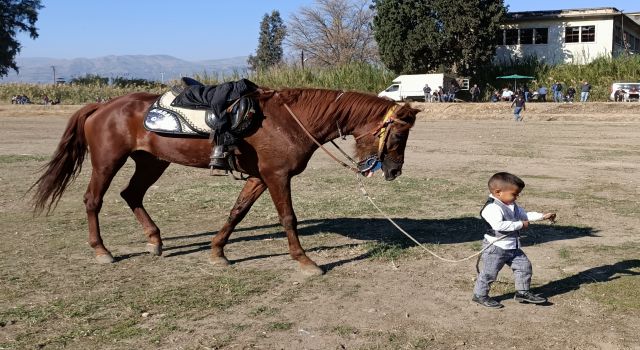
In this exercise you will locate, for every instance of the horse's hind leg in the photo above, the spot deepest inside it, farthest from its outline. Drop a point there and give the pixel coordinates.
(148, 171)
(252, 190)
(101, 177)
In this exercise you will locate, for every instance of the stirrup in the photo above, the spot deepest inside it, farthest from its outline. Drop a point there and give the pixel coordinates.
(219, 163)
(219, 158)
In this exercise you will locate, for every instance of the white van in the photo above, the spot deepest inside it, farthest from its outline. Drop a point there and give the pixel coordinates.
(631, 91)
(409, 87)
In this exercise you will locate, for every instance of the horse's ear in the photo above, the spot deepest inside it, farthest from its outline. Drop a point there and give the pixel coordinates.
(408, 114)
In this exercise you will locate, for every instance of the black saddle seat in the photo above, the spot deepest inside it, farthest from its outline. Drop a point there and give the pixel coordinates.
(213, 97)
(186, 81)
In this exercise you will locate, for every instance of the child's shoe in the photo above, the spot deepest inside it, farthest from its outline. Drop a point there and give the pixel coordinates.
(486, 301)
(528, 297)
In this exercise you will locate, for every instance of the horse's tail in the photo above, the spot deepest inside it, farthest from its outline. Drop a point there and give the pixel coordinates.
(65, 164)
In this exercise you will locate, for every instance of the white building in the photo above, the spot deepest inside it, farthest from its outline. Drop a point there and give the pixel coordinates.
(577, 35)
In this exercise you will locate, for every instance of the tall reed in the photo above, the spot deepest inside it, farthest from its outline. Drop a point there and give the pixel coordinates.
(600, 73)
(69, 93)
(356, 76)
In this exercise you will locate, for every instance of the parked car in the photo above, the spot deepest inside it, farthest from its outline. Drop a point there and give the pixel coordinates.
(631, 91)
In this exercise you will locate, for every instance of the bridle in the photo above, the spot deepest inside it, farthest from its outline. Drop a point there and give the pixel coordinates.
(374, 161)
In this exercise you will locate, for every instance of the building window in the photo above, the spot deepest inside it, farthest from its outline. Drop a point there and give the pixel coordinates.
(572, 34)
(588, 34)
(633, 43)
(541, 35)
(617, 35)
(511, 37)
(526, 36)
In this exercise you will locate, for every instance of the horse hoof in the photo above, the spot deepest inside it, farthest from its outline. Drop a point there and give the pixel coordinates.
(311, 270)
(219, 261)
(154, 249)
(104, 259)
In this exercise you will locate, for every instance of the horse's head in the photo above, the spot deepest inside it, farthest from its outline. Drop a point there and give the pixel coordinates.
(380, 127)
(384, 147)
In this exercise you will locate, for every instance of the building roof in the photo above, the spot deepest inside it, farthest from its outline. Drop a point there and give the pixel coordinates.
(595, 12)
(634, 16)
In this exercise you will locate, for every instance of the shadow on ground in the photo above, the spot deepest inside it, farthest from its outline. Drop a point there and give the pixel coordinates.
(429, 231)
(597, 274)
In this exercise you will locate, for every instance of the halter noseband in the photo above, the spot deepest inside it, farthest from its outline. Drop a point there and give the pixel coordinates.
(374, 161)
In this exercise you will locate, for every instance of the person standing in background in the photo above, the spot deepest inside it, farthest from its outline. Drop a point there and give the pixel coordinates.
(586, 89)
(427, 93)
(475, 93)
(542, 93)
(451, 95)
(557, 95)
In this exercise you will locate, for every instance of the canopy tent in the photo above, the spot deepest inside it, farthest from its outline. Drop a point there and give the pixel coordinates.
(515, 78)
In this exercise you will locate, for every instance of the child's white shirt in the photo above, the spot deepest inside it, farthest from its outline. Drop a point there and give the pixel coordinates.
(506, 218)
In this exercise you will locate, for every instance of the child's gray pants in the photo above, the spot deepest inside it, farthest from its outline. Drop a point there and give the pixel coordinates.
(493, 259)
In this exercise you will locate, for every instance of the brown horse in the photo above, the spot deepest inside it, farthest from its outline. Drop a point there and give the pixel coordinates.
(277, 150)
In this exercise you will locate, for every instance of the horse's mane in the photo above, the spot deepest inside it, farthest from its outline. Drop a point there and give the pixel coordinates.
(326, 107)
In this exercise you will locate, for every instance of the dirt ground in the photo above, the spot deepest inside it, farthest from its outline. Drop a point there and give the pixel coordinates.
(379, 290)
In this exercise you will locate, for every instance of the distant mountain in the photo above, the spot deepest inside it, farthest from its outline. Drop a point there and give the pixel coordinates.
(150, 67)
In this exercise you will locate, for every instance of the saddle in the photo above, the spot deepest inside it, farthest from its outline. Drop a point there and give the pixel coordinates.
(223, 113)
(166, 117)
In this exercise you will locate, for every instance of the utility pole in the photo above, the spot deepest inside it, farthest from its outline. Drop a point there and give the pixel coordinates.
(54, 74)
(302, 59)
(162, 78)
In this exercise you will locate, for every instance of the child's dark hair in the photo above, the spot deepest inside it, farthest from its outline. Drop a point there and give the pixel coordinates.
(499, 180)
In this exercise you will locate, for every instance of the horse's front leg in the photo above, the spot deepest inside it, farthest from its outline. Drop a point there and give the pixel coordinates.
(252, 190)
(280, 190)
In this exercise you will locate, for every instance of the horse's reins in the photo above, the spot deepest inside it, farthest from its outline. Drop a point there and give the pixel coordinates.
(318, 143)
(381, 130)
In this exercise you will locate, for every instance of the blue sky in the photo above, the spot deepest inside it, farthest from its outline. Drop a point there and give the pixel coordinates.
(187, 29)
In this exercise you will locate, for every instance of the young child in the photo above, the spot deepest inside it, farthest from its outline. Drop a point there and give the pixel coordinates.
(503, 217)
(520, 106)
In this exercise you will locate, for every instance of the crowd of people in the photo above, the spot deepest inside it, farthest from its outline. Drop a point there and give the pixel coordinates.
(24, 100)
(557, 93)
(440, 94)
(20, 100)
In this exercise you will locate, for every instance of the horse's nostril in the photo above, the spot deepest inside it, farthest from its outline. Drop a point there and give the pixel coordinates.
(395, 172)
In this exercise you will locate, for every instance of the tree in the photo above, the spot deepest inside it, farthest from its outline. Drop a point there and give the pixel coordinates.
(272, 34)
(334, 32)
(15, 16)
(419, 36)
